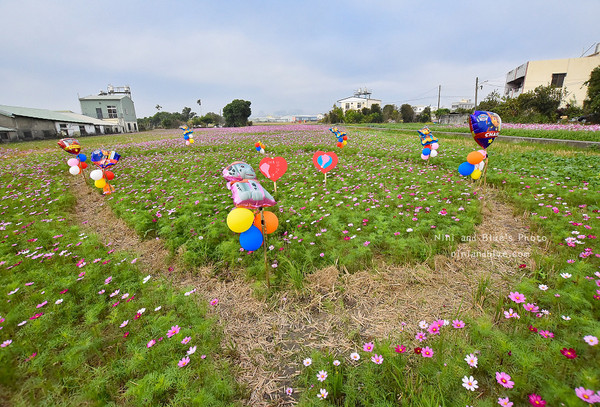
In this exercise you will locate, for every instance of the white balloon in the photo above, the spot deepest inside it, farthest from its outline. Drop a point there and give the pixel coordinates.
(74, 170)
(262, 150)
(481, 165)
(96, 175)
(433, 153)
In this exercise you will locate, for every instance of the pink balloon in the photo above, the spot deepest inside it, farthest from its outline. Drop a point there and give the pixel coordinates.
(484, 153)
(73, 162)
(435, 146)
(425, 157)
(187, 143)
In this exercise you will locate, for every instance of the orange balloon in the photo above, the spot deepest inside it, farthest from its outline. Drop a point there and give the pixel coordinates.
(474, 157)
(271, 222)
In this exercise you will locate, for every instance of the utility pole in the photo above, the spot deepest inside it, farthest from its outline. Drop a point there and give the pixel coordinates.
(476, 87)
(439, 92)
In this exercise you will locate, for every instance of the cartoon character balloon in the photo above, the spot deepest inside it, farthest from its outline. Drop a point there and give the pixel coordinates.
(70, 145)
(188, 135)
(485, 127)
(245, 189)
(429, 142)
(342, 137)
(104, 158)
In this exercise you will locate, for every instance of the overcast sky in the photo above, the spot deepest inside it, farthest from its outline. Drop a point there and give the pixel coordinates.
(285, 57)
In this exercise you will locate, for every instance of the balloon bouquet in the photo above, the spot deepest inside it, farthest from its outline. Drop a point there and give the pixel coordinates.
(249, 217)
(78, 163)
(188, 135)
(104, 159)
(260, 147)
(429, 142)
(342, 137)
(485, 127)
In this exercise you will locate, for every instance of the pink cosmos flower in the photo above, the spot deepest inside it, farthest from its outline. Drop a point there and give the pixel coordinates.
(183, 362)
(322, 375)
(591, 340)
(458, 324)
(289, 391)
(214, 301)
(505, 402)
(173, 331)
(536, 400)
(504, 380)
(151, 343)
(400, 349)
(368, 347)
(546, 334)
(531, 307)
(434, 329)
(511, 314)
(377, 359)
(587, 395)
(186, 340)
(427, 352)
(6, 343)
(420, 336)
(471, 360)
(517, 297)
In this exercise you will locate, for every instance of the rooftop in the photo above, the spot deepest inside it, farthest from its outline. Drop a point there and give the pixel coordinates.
(51, 115)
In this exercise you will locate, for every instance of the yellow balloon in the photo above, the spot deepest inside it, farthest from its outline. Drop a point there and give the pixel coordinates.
(240, 219)
(476, 174)
(191, 141)
(100, 183)
(345, 142)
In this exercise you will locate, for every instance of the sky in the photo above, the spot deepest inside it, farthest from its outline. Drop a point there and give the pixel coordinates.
(284, 57)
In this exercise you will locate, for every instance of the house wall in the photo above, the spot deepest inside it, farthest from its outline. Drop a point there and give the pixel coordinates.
(577, 69)
(126, 117)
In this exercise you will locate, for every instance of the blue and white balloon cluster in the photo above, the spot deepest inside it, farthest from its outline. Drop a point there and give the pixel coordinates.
(429, 142)
(188, 135)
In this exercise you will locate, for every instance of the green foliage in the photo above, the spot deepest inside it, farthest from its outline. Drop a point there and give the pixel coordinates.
(390, 112)
(592, 102)
(208, 119)
(425, 116)
(237, 112)
(353, 116)
(407, 113)
(335, 115)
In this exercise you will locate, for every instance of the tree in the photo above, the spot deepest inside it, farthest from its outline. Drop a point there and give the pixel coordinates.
(390, 112)
(237, 112)
(353, 116)
(591, 105)
(441, 112)
(336, 115)
(425, 116)
(187, 114)
(376, 108)
(490, 103)
(407, 113)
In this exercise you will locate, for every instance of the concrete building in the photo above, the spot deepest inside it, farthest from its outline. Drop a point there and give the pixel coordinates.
(463, 104)
(23, 123)
(569, 74)
(361, 99)
(115, 106)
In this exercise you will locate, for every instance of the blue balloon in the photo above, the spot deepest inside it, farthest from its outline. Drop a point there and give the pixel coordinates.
(466, 168)
(251, 239)
(426, 151)
(258, 149)
(186, 137)
(82, 157)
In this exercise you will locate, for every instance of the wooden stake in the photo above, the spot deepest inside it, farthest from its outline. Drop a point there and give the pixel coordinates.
(275, 183)
(325, 178)
(264, 232)
(487, 163)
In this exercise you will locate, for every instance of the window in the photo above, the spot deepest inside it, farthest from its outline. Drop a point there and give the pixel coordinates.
(128, 126)
(27, 135)
(558, 79)
(3, 135)
(112, 112)
(347, 106)
(99, 113)
(135, 126)
(82, 130)
(358, 105)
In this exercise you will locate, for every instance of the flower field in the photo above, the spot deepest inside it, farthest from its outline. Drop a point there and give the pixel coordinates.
(573, 131)
(83, 322)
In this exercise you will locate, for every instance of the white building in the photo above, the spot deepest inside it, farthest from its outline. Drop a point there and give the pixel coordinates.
(569, 74)
(463, 104)
(360, 100)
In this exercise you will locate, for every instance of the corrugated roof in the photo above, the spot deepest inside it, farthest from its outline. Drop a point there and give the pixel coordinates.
(52, 115)
(117, 96)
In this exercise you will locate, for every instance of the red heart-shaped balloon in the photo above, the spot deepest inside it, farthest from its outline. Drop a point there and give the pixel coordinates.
(273, 168)
(325, 161)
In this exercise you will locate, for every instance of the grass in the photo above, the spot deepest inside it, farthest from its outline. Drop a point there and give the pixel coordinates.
(382, 197)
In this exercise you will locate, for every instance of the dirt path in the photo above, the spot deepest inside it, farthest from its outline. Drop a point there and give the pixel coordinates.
(267, 340)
